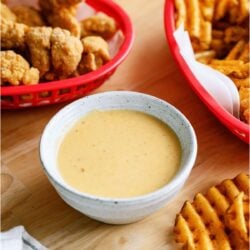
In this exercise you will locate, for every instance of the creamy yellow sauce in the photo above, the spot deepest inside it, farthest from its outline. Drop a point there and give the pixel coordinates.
(119, 154)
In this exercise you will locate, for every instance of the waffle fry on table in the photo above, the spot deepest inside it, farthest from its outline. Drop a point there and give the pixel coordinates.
(219, 33)
(218, 219)
(237, 217)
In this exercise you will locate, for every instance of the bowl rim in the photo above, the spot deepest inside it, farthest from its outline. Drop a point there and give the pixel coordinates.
(180, 177)
(236, 126)
(129, 35)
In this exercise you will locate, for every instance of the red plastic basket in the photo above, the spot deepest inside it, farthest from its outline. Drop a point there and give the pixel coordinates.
(236, 126)
(15, 97)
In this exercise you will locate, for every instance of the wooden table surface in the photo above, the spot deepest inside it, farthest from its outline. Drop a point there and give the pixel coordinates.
(28, 198)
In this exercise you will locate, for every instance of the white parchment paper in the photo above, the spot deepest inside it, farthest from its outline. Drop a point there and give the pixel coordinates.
(218, 85)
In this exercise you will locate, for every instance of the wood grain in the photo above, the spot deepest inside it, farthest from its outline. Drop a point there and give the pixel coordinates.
(150, 69)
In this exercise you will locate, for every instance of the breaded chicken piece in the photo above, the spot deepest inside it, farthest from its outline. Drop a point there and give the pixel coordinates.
(96, 53)
(28, 15)
(38, 42)
(97, 46)
(15, 69)
(98, 25)
(66, 51)
(6, 13)
(61, 13)
(55, 52)
(12, 34)
(49, 5)
(64, 19)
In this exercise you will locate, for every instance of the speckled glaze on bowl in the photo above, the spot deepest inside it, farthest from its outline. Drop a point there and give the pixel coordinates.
(120, 210)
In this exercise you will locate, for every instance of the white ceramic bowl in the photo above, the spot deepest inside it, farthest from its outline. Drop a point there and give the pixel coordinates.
(122, 210)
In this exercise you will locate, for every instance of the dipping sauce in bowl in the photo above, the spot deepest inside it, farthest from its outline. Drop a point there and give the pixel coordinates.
(119, 154)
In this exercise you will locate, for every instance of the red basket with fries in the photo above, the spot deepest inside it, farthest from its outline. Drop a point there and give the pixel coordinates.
(16, 97)
(236, 126)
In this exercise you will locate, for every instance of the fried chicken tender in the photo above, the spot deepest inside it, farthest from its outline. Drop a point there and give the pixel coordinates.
(64, 19)
(95, 54)
(49, 5)
(38, 42)
(98, 25)
(66, 51)
(16, 70)
(12, 34)
(53, 51)
(6, 13)
(28, 15)
(61, 13)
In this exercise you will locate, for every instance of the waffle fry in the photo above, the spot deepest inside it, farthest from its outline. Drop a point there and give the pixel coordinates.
(206, 35)
(233, 11)
(246, 115)
(227, 67)
(217, 34)
(231, 68)
(244, 10)
(217, 44)
(193, 15)
(221, 48)
(237, 215)
(206, 56)
(244, 56)
(181, 12)
(207, 9)
(221, 8)
(242, 72)
(242, 181)
(241, 82)
(214, 220)
(236, 50)
(237, 243)
(235, 33)
(243, 86)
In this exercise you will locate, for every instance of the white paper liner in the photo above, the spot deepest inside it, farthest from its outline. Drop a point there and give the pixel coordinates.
(83, 11)
(218, 85)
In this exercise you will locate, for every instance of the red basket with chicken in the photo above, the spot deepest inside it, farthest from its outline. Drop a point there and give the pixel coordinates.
(50, 55)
